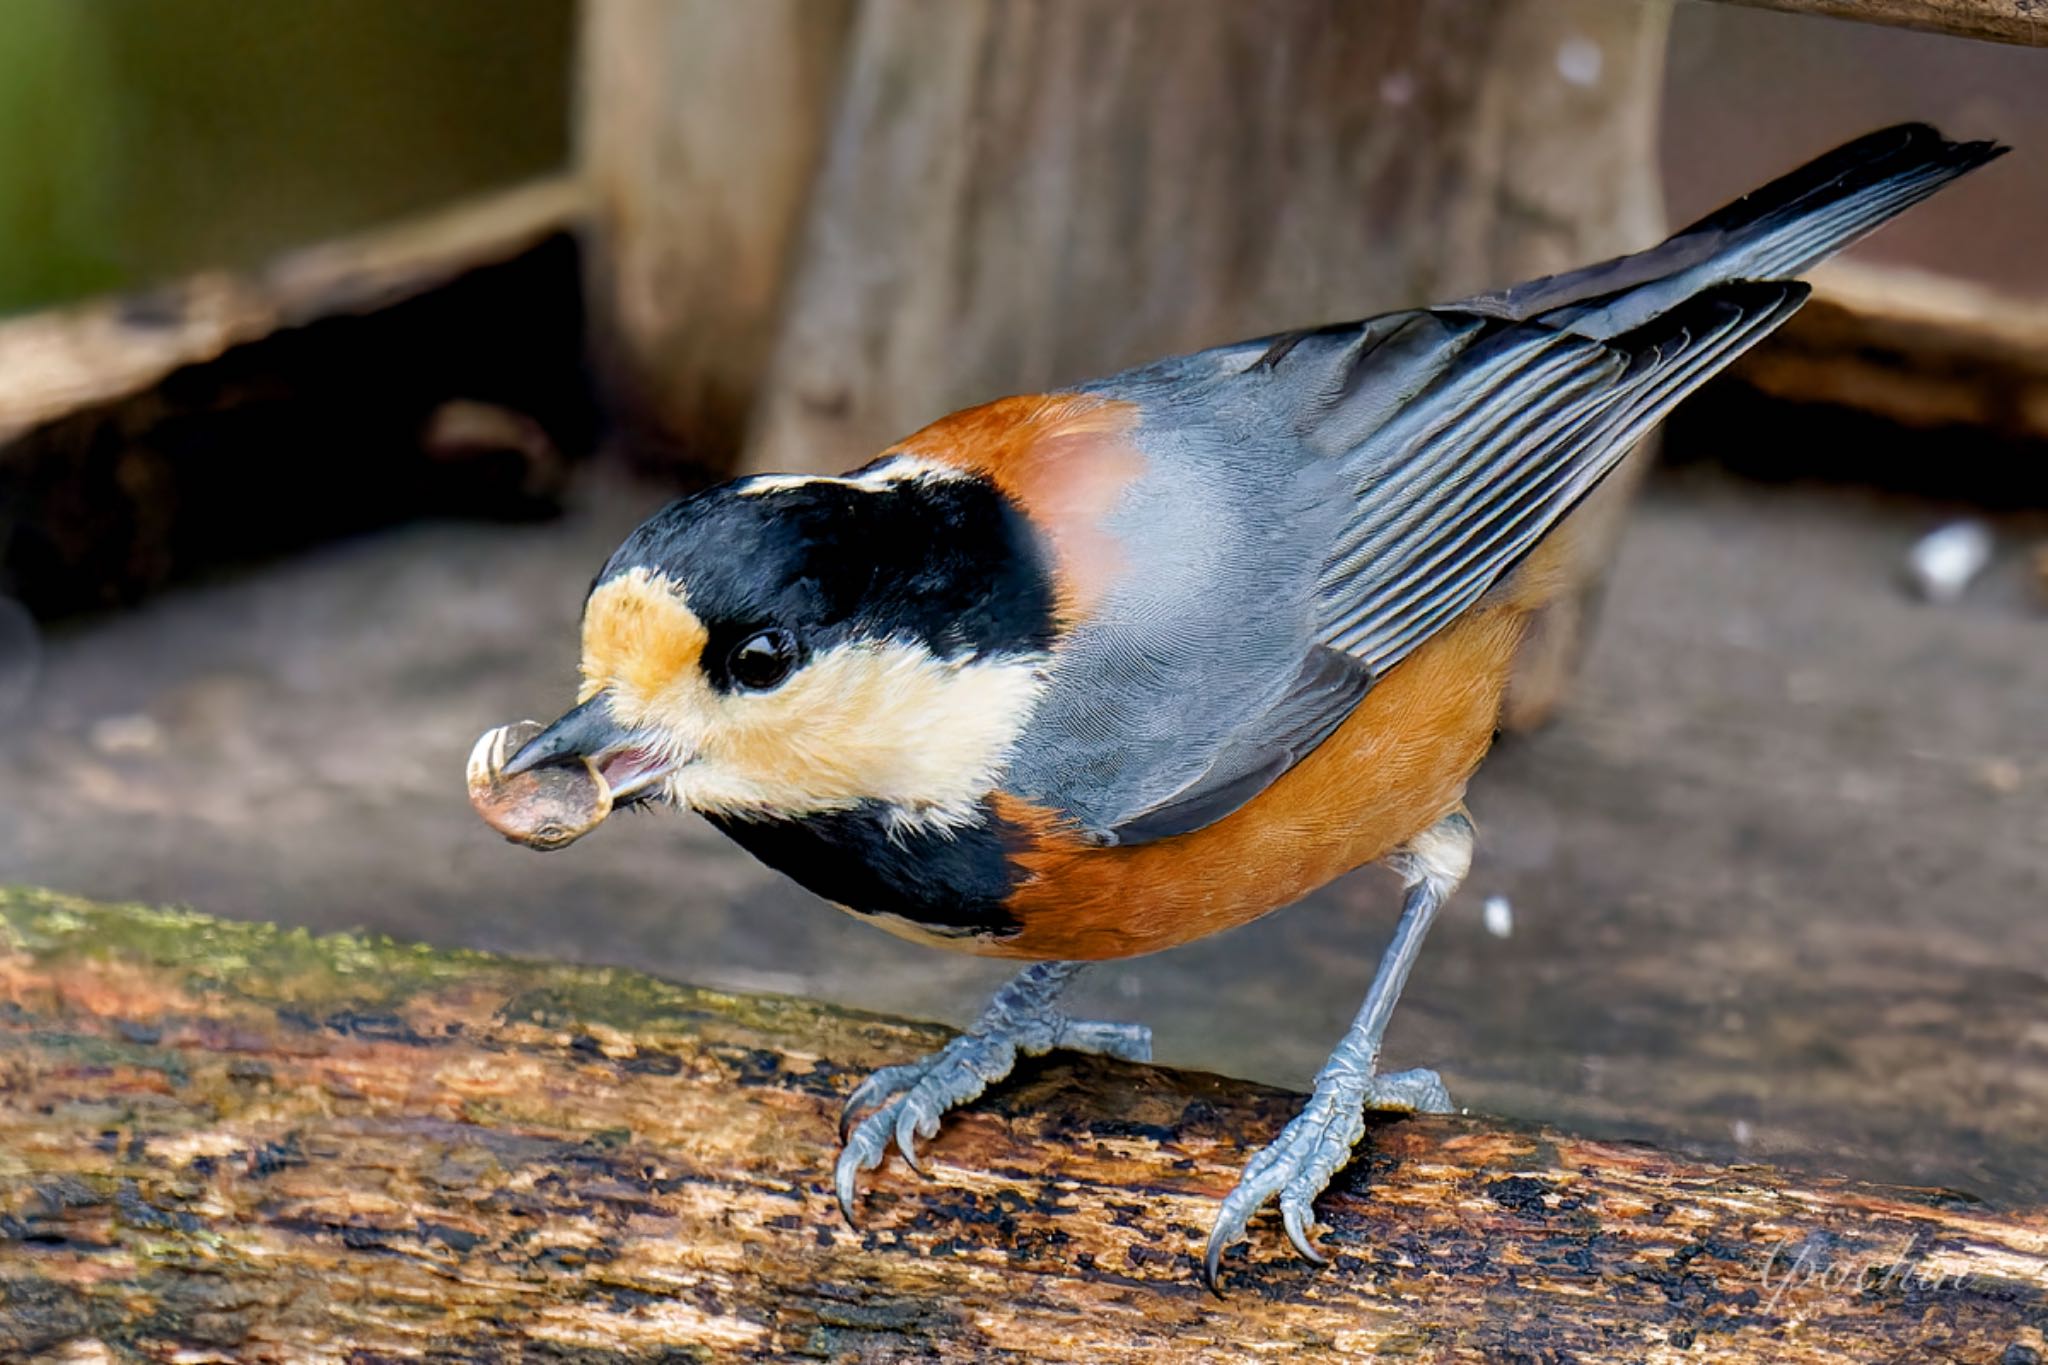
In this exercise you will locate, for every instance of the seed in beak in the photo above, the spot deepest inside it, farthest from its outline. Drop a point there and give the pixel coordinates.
(545, 807)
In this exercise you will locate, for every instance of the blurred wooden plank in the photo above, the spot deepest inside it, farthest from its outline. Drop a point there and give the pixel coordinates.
(223, 1141)
(700, 128)
(57, 362)
(435, 366)
(2003, 21)
(1915, 348)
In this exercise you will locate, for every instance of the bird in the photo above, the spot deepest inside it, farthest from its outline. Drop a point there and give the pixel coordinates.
(1085, 674)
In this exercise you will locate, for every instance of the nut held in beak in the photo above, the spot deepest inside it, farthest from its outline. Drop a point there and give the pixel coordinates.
(548, 807)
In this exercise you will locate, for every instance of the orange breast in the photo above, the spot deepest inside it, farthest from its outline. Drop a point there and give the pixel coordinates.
(1396, 765)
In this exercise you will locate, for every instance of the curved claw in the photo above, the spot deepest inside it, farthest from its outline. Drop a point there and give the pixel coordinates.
(1300, 1163)
(1234, 1216)
(843, 1177)
(1296, 1214)
(883, 1084)
(863, 1152)
(1219, 1238)
(907, 1132)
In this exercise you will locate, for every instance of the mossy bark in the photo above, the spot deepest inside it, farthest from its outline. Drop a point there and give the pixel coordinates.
(227, 1141)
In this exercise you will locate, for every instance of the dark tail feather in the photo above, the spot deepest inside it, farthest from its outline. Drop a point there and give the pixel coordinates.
(1907, 157)
(1772, 233)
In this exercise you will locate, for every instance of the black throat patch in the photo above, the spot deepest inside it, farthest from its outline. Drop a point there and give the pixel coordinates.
(953, 883)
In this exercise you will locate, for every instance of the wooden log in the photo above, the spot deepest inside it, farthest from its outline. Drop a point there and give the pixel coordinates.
(223, 1141)
(700, 127)
(2003, 21)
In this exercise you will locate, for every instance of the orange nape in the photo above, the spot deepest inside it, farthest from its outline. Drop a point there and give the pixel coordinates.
(1063, 460)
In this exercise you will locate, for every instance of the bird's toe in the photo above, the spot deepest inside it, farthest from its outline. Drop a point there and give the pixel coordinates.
(1297, 1214)
(1299, 1165)
(1420, 1091)
(901, 1105)
(878, 1087)
(862, 1152)
(1126, 1042)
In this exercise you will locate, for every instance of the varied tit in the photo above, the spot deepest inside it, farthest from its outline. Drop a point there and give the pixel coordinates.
(1092, 673)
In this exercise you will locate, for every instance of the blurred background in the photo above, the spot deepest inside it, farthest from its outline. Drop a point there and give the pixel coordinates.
(346, 337)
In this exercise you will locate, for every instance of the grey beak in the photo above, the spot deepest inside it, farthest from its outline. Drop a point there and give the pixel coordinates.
(586, 732)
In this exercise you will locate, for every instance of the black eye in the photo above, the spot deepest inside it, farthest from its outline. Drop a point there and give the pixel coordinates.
(761, 661)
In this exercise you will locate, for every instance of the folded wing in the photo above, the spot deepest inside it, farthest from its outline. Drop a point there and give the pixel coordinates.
(1413, 460)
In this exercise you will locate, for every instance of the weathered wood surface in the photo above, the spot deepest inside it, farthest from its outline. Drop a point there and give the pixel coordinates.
(1919, 349)
(225, 1142)
(700, 127)
(2004, 21)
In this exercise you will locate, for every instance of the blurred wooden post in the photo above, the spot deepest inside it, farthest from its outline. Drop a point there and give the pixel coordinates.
(700, 127)
(1022, 195)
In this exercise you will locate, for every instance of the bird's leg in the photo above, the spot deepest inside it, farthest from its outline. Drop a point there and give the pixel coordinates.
(1315, 1146)
(1023, 1019)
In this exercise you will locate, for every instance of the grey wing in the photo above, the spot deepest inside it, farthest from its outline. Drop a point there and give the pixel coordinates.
(1448, 445)
(1453, 491)
(1321, 503)
(1316, 701)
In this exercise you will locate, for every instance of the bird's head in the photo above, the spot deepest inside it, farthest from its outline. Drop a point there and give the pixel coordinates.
(781, 647)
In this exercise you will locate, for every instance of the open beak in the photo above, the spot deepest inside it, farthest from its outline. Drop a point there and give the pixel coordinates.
(631, 766)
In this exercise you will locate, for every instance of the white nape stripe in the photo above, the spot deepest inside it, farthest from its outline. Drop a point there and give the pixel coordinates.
(884, 474)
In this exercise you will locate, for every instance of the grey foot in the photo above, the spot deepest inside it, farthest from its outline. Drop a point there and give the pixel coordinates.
(1299, 1163)
(912, 1098)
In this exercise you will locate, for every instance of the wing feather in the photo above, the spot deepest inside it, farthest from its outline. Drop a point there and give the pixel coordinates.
(1435, 559)
(1399, 468)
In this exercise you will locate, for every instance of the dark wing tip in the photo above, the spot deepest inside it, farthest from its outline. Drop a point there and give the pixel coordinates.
(1886, 154)
(1738, 298)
